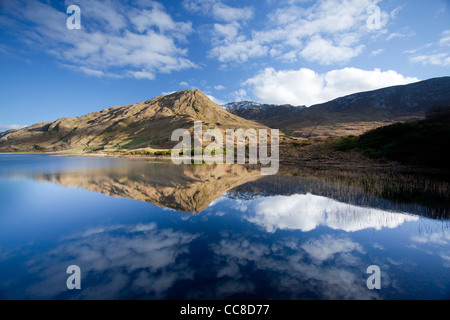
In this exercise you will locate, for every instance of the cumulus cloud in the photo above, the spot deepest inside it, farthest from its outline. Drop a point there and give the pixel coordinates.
(239, 50)
(307, 87)
(326, 53)
(138, 41)
(326, 32)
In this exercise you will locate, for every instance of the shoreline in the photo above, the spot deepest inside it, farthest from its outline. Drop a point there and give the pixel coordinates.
(87, 155)
(289, 165)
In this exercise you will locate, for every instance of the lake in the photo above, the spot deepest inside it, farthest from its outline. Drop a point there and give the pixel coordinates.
(147, 229)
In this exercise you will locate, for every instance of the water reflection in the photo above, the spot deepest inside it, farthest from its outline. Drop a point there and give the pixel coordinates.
(186, 188)
(122, 259)
(306, 212)
(329, 267)
(280, 241)
(144, 261)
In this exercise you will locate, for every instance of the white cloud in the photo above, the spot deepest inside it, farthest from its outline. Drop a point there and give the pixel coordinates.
(395, 12)
(374, 53)
(326, 53)
(219, 10)
(445, 40)
(240, 95)
(215, 100)
(307, 87)
(219, 87)
(399, 35)
(142, 75)
(394, 35)
(437, 54)
(99, 73)
(440, 59)
(10, 127)
(326, 32)
(421, 48)
(227, 13)
(240, 49)
(114, 41)
(227, 31)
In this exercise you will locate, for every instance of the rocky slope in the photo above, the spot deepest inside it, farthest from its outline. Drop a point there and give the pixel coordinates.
(352, 114)
(147, 124)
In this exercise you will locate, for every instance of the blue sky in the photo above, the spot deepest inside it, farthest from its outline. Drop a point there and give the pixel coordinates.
(288, 51)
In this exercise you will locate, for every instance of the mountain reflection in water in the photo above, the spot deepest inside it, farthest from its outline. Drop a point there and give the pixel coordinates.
(186, 188)
(229, 233)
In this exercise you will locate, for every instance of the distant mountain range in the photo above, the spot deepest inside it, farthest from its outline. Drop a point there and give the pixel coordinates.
(269, 113)
(352, 114)
(149, 124)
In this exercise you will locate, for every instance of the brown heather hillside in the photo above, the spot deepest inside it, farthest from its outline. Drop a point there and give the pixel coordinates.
(147, 124)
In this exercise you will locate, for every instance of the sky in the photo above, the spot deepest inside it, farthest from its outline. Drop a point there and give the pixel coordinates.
(297, 52)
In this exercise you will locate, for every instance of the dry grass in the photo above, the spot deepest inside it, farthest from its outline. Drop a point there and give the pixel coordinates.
(355, 173)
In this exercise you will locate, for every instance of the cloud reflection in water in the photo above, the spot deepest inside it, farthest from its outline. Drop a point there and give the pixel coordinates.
(306, 212)
(122, 261)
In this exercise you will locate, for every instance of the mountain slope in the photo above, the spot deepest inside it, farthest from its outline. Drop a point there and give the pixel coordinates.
(352, 114)
(145, 124)
(270, 113)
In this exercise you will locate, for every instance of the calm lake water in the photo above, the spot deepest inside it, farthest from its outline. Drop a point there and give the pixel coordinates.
(153, 230)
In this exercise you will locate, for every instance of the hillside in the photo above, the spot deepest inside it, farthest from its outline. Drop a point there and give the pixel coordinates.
(353, 114)
(147, 124)
(264, 113)
(417, 143)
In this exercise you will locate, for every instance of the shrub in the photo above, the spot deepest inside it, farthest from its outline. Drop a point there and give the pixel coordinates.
(346, 143)
(38, 147)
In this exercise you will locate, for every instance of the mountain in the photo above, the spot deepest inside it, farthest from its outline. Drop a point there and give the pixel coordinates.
(147, 124)
(352, 114)
(150, 124)
(264, 113)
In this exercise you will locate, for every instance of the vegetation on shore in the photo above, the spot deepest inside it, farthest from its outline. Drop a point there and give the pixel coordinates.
(402, 162)
(420, 143)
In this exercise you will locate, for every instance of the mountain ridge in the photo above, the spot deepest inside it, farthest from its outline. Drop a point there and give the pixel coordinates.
(352, 114)
(147, 124)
